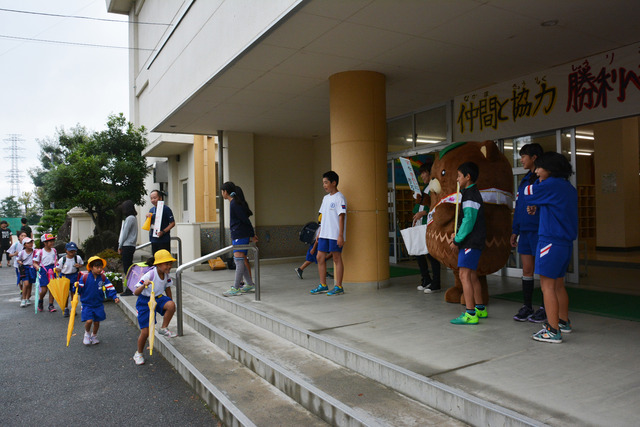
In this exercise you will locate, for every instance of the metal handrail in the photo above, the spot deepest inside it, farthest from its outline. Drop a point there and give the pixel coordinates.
(202, 259)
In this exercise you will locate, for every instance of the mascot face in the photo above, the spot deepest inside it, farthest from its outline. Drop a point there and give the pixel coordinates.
(496, 184)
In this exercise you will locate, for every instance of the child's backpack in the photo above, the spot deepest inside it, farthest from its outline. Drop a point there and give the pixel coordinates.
(136, 271)
(308, 232)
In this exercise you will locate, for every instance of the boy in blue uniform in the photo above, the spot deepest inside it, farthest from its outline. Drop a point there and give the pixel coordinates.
(470, 241)
(331, 236)
(92, 298)
(525, 236)
(557, 200)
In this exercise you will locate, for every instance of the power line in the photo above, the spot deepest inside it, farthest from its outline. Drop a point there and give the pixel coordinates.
(72, 43)
(81, 17)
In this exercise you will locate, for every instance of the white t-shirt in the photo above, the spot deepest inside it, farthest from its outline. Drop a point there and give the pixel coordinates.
(14, 249)
(68, 266)
(26, 258)
(159, 284)
(45, 258)
(331, 208)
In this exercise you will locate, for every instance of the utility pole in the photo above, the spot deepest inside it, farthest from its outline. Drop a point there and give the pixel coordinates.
(14, 174)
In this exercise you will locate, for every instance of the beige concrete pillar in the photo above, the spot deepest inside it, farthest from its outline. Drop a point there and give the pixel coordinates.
(359, 156)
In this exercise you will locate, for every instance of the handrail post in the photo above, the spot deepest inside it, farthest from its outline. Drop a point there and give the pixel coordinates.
(200, 260)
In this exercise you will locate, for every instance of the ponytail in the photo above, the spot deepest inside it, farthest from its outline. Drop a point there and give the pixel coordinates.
(150, 262)
(237, 194)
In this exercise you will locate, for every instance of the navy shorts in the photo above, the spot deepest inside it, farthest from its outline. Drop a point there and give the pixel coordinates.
(552, 259)
(312, 257)
(469, 258)
(29, 274)
(328, 245)
(96, 314)
(44, 275)
(142, 305)
(243, 241)
(73, 278)
(528, 243)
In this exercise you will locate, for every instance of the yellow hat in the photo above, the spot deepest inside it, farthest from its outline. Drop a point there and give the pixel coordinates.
(162, 256)
(94, 258)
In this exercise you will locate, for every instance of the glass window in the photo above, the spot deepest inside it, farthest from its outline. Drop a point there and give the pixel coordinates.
(431, 126)
(400, 134)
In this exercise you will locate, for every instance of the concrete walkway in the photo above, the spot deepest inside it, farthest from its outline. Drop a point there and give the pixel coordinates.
(45, 383)
(593, 378)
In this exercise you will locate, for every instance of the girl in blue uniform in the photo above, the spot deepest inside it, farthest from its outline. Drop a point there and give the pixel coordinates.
(557, 201)
(525, 236)
(242, 233)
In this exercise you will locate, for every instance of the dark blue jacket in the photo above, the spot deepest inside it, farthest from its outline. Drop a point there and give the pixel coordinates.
(522, 221)
(557, 201)
(239, 222)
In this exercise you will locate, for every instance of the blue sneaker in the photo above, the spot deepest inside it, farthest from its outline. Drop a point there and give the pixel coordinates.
(337, 290)
(545, 335)
(319, 290)
(232, 292)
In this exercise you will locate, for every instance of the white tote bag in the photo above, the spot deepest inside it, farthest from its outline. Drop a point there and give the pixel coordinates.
(415, 239)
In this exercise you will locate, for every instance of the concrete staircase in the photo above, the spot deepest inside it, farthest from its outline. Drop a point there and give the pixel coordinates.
(254, 369)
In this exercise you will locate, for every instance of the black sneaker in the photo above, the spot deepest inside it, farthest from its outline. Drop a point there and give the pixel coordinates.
(52, 309)
(432, 288)
(299, 272)
(523, 314)
(329, 275)
(540, 316)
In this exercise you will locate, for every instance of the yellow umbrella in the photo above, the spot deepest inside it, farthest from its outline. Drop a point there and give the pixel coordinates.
(152, 318)
(59, 288)
(72, 315)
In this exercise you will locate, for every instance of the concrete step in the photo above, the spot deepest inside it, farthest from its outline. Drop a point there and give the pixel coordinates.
(448, 400)
(334, 393)
(237, 395)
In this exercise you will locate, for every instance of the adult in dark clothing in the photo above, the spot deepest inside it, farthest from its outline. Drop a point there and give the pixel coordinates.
(427, 285)
(162, 238)
(26, 228)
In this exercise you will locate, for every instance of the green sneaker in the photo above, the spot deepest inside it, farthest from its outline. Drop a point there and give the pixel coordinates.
(232, 292)
(319, 290)
(465, 319)
(247, 288)
(481, 313)
(337, 290)
(565, 327)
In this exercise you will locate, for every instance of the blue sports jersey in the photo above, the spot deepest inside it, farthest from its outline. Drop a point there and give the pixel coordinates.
(557, 201)
(522, 221)
(90, 289)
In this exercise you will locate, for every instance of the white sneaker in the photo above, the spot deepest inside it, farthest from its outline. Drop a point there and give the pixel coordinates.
(94, 340)
(87, 339)
(165, 332)
(138, 358)
(421, 288)
(28, 302)
(23, 303)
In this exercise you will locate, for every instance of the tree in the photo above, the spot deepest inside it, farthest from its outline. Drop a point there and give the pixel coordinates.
(29, 202)
(52, 220)
(9, 207)
(95, 171)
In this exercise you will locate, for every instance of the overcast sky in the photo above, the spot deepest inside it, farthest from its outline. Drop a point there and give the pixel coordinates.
(47, 86)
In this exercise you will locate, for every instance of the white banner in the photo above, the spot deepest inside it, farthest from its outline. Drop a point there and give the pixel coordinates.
(601, 87)
(410, 174)
(158, 223)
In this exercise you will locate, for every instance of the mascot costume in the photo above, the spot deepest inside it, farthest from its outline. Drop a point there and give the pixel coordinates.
(496, 186)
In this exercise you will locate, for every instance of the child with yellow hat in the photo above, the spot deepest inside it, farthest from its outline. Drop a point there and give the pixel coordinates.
(159, 275)
(90, 288)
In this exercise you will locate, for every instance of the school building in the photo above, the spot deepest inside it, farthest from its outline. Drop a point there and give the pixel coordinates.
(270, 94)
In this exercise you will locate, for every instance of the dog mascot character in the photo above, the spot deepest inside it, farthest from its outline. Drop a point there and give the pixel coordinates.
(496, 186)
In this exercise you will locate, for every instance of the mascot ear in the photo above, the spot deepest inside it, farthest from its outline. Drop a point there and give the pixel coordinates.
(490, 151)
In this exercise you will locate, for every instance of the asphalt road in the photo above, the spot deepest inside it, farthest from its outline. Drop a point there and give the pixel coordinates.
(43, 382)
